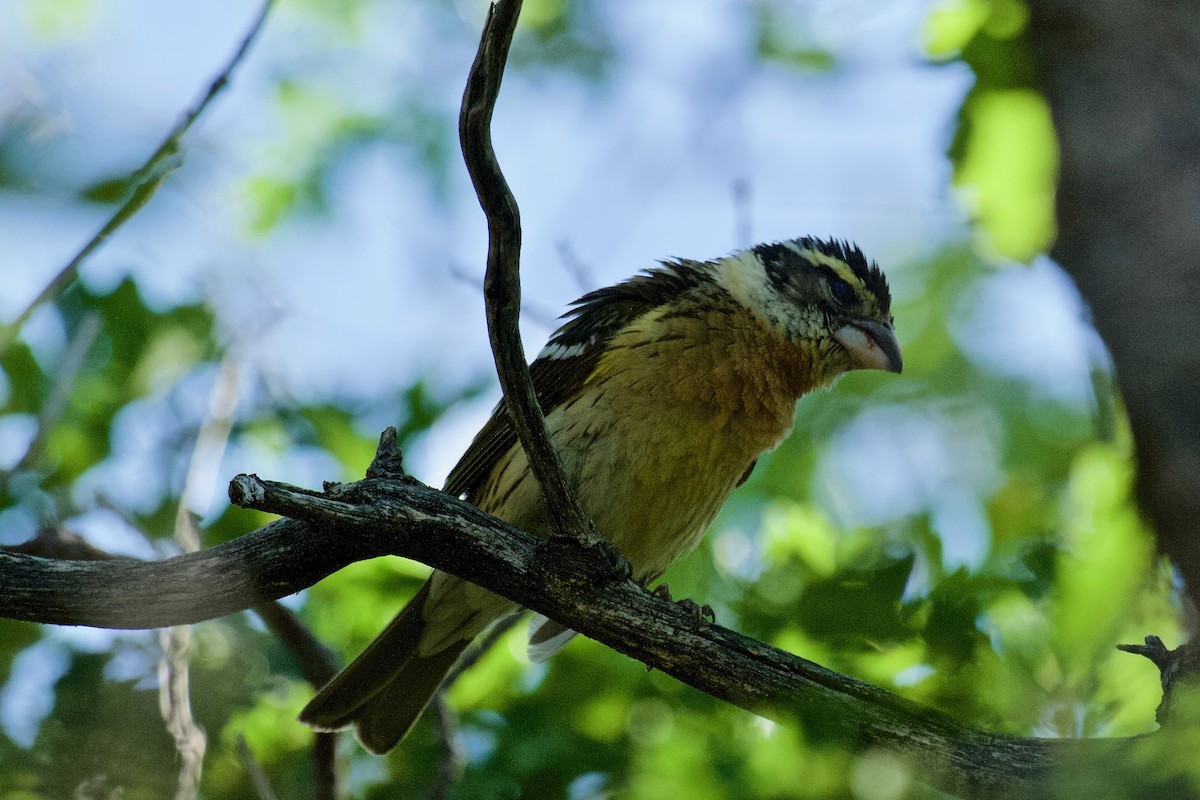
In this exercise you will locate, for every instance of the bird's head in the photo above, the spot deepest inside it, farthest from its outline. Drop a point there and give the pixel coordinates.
(821, 293)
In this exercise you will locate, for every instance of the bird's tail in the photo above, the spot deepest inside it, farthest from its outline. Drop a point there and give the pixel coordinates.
(383, 691)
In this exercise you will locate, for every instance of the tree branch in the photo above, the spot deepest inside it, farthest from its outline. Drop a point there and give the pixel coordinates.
(502, 282)
(562, 578)
(175, 705)
(317, 663)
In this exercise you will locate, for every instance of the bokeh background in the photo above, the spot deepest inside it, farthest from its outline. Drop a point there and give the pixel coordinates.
(961, 534)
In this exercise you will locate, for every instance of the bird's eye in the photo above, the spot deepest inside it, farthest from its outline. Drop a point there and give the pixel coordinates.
(841, 290)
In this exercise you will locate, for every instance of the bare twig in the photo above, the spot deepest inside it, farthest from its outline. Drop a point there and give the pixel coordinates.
(259, 778)
(174, 680)
(1177, 668)
(176, 709)
(174, 668)
(317, 663)
(162, 162)
(211, 441)
(1156, 651)
(502, 283)
(451, 760)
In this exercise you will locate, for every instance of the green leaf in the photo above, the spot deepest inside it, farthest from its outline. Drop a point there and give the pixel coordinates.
(1009, 170)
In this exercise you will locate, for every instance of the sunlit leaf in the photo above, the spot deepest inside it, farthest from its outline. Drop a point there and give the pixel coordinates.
(1009, 170)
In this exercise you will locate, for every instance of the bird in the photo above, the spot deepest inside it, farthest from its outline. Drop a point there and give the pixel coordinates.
(659, 393)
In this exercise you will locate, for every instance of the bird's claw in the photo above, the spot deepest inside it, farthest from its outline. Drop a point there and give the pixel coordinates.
(700, 613)
(595, 548)
(610, 554)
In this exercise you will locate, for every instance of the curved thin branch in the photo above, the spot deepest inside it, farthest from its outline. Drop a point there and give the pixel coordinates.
(318, 665)
(502, 282)
(566, 579)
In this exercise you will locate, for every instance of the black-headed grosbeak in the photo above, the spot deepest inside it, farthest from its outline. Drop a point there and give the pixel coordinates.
(660, 393)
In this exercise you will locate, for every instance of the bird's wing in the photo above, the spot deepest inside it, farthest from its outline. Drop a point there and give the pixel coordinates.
(570, 357)
(554, 380)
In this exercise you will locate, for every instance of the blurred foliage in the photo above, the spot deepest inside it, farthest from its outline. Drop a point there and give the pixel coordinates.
(784, 37)
(321, 130)
(1016, 636)
(565, 35)
(1005, 152)
(322, 134)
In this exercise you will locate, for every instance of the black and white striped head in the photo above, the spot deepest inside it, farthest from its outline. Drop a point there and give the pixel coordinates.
(820, 291)
(823, 293)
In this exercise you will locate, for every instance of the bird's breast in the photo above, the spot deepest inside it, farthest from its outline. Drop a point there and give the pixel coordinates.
(675, 412)
(673, 416)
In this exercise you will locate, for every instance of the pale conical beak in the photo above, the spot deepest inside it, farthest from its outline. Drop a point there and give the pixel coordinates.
(872, 345)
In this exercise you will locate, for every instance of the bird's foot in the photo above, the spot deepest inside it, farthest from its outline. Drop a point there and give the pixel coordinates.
(700, 613)
(594, 548)
(605, 551)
